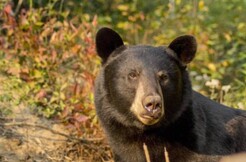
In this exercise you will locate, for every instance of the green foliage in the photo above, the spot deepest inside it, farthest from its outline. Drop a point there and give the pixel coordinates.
(219, 27)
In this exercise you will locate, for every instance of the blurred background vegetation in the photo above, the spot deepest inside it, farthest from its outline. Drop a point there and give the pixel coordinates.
(48, 60)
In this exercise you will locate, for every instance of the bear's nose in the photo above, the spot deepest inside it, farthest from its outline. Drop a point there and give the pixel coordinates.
(152, 103)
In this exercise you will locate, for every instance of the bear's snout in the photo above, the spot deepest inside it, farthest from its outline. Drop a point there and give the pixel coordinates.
(147, 105)
(153, 105)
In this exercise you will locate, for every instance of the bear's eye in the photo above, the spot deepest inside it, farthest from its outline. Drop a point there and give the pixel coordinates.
(133, 75)
(162, 76)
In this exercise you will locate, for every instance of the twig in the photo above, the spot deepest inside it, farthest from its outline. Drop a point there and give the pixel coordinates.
(146, 152)
(166, 155)
(13, 119)
(18, 6)
(51, 130)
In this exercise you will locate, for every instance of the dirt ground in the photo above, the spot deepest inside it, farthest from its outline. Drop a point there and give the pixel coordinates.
(28, 138)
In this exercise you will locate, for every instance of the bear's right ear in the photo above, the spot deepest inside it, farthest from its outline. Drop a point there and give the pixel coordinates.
(107, 40)
(185, 47)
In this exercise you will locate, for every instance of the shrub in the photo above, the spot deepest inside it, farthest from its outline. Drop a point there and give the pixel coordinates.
(54, 60)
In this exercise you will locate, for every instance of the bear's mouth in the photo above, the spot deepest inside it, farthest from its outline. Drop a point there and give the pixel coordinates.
(149, 119)
(150, 116)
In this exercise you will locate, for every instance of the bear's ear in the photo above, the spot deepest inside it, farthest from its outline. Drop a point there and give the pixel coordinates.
(107, 40)
(185, 47)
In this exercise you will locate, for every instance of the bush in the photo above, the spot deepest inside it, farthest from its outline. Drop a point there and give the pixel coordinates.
(54, 60)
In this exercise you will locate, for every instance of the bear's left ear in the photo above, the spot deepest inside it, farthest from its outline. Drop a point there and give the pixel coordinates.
(185, 47)
(107, 40)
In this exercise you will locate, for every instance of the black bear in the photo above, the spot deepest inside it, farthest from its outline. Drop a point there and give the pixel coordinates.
(143, 97)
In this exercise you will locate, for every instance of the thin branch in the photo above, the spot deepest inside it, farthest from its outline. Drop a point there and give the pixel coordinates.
(12, 119)
(51, 130)
(166, 155)
(146, 152)
(18, 6)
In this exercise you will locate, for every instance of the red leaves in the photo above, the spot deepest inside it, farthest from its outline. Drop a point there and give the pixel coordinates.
(56, 59)
(8, 14)
(80, 118)
(41, 94)
(14, 70)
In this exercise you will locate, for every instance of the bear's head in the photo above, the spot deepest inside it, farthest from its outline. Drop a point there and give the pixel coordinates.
(145, 85)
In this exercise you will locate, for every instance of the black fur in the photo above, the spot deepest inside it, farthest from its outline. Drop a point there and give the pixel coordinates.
(192, 124)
